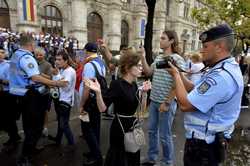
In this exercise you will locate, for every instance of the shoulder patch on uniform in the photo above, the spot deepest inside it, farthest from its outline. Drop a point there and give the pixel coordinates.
(203, 88)
(30, 65)
(211, 81)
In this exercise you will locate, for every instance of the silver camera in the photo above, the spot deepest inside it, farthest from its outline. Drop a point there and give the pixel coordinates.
(54, 92)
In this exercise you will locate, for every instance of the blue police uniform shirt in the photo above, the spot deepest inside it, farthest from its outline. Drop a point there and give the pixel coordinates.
(217, 99)
(22, 67)
(4, 72)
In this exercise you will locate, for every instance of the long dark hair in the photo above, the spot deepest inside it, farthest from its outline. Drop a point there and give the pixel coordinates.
(172, 35)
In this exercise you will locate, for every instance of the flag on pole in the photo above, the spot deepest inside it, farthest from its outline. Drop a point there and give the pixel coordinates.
(28, 10)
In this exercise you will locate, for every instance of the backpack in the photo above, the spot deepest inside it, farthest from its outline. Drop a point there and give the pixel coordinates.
(91, 102)
(101, 79)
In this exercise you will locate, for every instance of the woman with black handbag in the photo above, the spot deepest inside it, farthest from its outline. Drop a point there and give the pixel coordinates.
(124, 94)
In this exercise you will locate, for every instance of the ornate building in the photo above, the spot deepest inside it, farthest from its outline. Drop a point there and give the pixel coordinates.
(117, 21)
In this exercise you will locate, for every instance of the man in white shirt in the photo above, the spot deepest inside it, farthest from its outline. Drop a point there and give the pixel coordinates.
(66, 99)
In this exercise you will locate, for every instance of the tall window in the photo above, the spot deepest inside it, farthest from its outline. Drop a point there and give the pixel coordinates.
(193, 45)
(52, 20)
(94, 26)
(194, 33)
(124, 33)
(4, 14)
(186, 10)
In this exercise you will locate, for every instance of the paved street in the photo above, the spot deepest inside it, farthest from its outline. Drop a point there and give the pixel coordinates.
(52, 155)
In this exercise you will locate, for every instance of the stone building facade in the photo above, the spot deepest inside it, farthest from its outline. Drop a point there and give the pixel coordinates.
(117, 21)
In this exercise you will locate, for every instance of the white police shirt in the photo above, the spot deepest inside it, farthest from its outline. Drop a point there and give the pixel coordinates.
(217, 99)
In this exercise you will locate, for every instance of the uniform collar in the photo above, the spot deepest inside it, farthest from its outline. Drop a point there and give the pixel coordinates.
(218, 64)
(26, 51)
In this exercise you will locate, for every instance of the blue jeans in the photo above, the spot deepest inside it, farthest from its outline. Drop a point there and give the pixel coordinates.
(161, 123)
(63, 115)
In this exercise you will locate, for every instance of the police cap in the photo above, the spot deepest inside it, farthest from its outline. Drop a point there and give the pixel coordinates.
(216, 32)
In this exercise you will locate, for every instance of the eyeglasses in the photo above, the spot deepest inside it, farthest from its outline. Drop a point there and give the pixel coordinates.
(139, 65)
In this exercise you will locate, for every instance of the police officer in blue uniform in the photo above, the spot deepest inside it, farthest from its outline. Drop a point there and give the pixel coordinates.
(27, 85)
(212, 105)
(8, 114)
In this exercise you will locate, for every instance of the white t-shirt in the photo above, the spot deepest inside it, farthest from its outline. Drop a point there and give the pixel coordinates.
(196, 67)
(67, 93)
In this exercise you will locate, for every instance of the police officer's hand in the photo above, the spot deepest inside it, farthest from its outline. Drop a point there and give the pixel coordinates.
(164, 107)
(172, 70)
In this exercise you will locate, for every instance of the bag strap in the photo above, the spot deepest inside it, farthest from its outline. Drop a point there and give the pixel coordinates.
(96, 70)
(120, 123)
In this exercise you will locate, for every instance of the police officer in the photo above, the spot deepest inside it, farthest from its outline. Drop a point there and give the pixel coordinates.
(27, 85)
(212, 105)
(8, 114)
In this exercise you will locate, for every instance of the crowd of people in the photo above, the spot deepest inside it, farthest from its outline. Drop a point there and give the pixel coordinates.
(43, 68)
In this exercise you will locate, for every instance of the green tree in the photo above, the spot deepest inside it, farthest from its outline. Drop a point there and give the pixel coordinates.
(234, 12)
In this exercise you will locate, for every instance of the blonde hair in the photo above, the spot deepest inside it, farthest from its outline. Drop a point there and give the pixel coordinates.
(196, 57)
(40, 51)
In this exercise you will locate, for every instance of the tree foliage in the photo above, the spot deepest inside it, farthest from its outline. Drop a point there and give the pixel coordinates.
(234, 12)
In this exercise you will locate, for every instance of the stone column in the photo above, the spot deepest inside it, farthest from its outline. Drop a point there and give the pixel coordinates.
(26, 25)
(79, 21)
(114, 32)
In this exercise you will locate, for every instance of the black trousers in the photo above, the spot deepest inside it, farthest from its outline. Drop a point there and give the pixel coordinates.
(91, 131)
(33, 106)
(9, 115)
(199, 153)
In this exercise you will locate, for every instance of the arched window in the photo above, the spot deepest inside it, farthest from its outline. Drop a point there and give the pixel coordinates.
(94, 26)
(51, 20)
(124, 33)
(4, 14)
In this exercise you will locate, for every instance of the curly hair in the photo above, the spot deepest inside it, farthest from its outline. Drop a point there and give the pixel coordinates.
(127, 61)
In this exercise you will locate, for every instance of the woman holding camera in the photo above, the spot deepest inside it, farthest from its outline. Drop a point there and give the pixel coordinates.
(124, 94)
